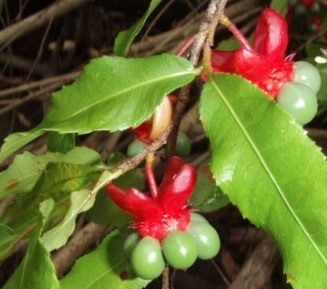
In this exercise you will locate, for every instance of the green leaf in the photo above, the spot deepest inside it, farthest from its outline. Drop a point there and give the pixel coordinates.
(69, 185)
(75, 187)
(106, 267)
(322, 93)
(207, 197)
(125, 38)
(229, 44)
(80, 201)
(268, 167)
(280, 6)
(112, 93)
(36, 270)
(26, 169)
(105, 211)
(61, 143)
(17, 140)
(7, 237)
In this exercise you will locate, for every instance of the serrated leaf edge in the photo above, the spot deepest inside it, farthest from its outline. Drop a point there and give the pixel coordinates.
(266, 168)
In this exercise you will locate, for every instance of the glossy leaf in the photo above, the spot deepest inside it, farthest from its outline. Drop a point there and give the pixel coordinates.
(126, 37)
(268, 167)
(105, 266)
(107, 96)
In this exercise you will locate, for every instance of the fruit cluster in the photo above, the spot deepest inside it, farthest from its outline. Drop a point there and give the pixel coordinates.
(166, 228)
(180, 249)
(294, 85)
(299, 96)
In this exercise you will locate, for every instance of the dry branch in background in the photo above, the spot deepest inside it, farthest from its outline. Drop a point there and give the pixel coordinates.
(36, 20)
(256, 272)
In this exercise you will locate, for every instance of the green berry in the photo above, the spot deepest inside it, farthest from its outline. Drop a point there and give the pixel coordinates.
(135, 147)
(299, 100)
(315, 8)
(198, 218)
(206, 238)
(180, 249)
(308, 74)
(183, 145)
(130, 243)
(147, 260)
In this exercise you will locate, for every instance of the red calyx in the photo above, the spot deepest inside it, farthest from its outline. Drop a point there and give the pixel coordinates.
(169, 210)
(264, 63)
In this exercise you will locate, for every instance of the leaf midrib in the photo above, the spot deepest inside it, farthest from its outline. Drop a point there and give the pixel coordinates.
(124, 91)
(270, 174)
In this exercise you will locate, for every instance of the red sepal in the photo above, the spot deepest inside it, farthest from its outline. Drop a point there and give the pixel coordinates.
(271, 35)
(169, 211)
(135, 202)
(175, 196)
(174, 165)
(265, 64)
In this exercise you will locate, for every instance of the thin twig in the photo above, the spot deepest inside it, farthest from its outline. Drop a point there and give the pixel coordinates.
(37, 20)
(160, 13)
(220, 272)
(41, 49)
(165, 278)
(40, 83)
(211, 33)
(214, 6)
(17, 102)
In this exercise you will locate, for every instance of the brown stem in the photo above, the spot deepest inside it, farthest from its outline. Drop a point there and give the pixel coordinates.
(165, 278)
(211, 34)
(198, 45)
(131, 163)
